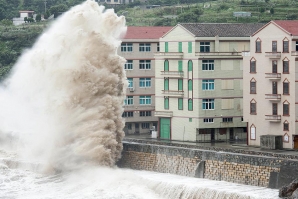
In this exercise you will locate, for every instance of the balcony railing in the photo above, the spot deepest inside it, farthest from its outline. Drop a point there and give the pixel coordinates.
(138, 107)
(294, 53)
(219, 54)
(173, 92)
(273, 55)
(273, 118)
(163, 113)
(273, 76)
(170, 54)
(273, 97)
(173, 73)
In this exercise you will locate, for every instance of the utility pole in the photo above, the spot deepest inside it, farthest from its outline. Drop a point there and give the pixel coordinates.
(45, 6)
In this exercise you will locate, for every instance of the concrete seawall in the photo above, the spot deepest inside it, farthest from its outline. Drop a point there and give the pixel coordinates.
(265, 170)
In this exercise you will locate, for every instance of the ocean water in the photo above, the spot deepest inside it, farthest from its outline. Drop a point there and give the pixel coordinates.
(61, 124)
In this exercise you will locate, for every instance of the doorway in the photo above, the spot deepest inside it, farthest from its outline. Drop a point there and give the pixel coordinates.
(295, 140)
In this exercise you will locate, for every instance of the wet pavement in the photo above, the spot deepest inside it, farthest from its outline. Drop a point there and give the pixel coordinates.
(229, 144)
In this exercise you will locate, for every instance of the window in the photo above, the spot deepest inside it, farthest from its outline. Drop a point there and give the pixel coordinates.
(208, 104)
(227, 119)
(190, 85)
(128, 100)
(285, 46)
(180, 47)
(145, 64)
(166, 47)
(126, 47)
(274, 46)
(166, 103)
(129, 126)
(127, 114)
(145, 100)
(145, 113)
(130, 82)
(285, 66)
(286, 86)
(274, 88)
(166, 65)
(208, 84)
(207, 64)
(253, 107)
(180, 84)
(190, 106)
(190, 47)
(286, 108)
(208, 120)
(253, 66)
(253, 85)
(145, 47)
(296, 45)
(204, 46)
(286, 126)
(189, 66)
(166, 84)
(180, 66)
(252, 132)
(274, 66)
(158, 48)
(258, 46)
(145, 125)
(274, 108)
(145, 82)
(128, 65)
(180, 103)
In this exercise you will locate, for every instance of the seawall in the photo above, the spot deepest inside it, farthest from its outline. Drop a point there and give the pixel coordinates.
(265, 169)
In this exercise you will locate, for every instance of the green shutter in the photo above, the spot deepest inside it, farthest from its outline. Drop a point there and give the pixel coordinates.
(165, 128)
(190, 104)
(189, 65)
(180, 65)
(166, 47)
(180, 84)
(190, 47)
(180, 47)
(180, 103)
(166, 103)
(190, 85)
(166, 65)
(166, 84)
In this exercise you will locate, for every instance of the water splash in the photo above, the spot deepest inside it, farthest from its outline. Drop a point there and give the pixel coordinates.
(64, 97)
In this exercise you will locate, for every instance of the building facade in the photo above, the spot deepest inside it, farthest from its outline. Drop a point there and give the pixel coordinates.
(199, 78)
(270, 83)
(23, 14)
(138, 48)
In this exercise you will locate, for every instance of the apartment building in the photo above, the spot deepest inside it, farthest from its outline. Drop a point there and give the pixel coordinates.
(270, 83)
(199, 77)
(138, 48)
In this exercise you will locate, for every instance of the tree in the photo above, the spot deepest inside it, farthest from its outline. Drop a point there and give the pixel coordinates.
(26, 19)
(38, 18)
(271, 11)
(6, 22)
(58, 9)
(47, 14)
(190, 17)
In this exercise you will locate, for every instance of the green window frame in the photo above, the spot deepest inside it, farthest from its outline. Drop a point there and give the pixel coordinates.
(166, 84)
(166, 47)
(190, 85)
(190, 106)
(189, 47)
(180, 103)
(180, 47)
(180, 84)
(166, 65)
(166, 103)
(189, 65)
(180, 66)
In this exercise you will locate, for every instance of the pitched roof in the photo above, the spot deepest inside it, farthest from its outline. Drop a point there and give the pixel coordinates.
(146, 32)
(291, 26)
(222, 29)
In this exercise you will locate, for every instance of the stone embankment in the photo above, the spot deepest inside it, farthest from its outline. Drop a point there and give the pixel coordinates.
(215, 163)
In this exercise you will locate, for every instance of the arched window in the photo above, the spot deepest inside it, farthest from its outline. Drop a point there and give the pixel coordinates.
(286, 125)
(190, 85)
(189, 65)
(285, 45)
(166, 65)
(286, 108)
(190, 106)
(253, 66)
(258, 46)
(253, 86)
(285, 66)
(286, 87)
(253, 107)
(253, 132)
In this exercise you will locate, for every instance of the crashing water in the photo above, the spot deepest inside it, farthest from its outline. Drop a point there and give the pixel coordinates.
(61, 124)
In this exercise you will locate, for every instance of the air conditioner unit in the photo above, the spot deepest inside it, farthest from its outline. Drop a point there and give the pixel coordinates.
(131, 89)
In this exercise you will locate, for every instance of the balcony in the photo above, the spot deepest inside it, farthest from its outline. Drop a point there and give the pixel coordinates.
(173, 93)
(273, 55)
(163, 113)
(139, 107)
(273, 118)
(273, 76)
(294, 53)
(219, 54)
(173, 55)
(273, 97)
(172, 73)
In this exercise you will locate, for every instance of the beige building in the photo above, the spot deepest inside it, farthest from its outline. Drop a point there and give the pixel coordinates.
(270, 79)
(138, 47)
(199, 77)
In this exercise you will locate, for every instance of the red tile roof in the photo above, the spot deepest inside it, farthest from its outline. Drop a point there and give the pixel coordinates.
(146, 32)
(290, 26)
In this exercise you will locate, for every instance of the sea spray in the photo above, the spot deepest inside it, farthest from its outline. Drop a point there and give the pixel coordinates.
(64, 97)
